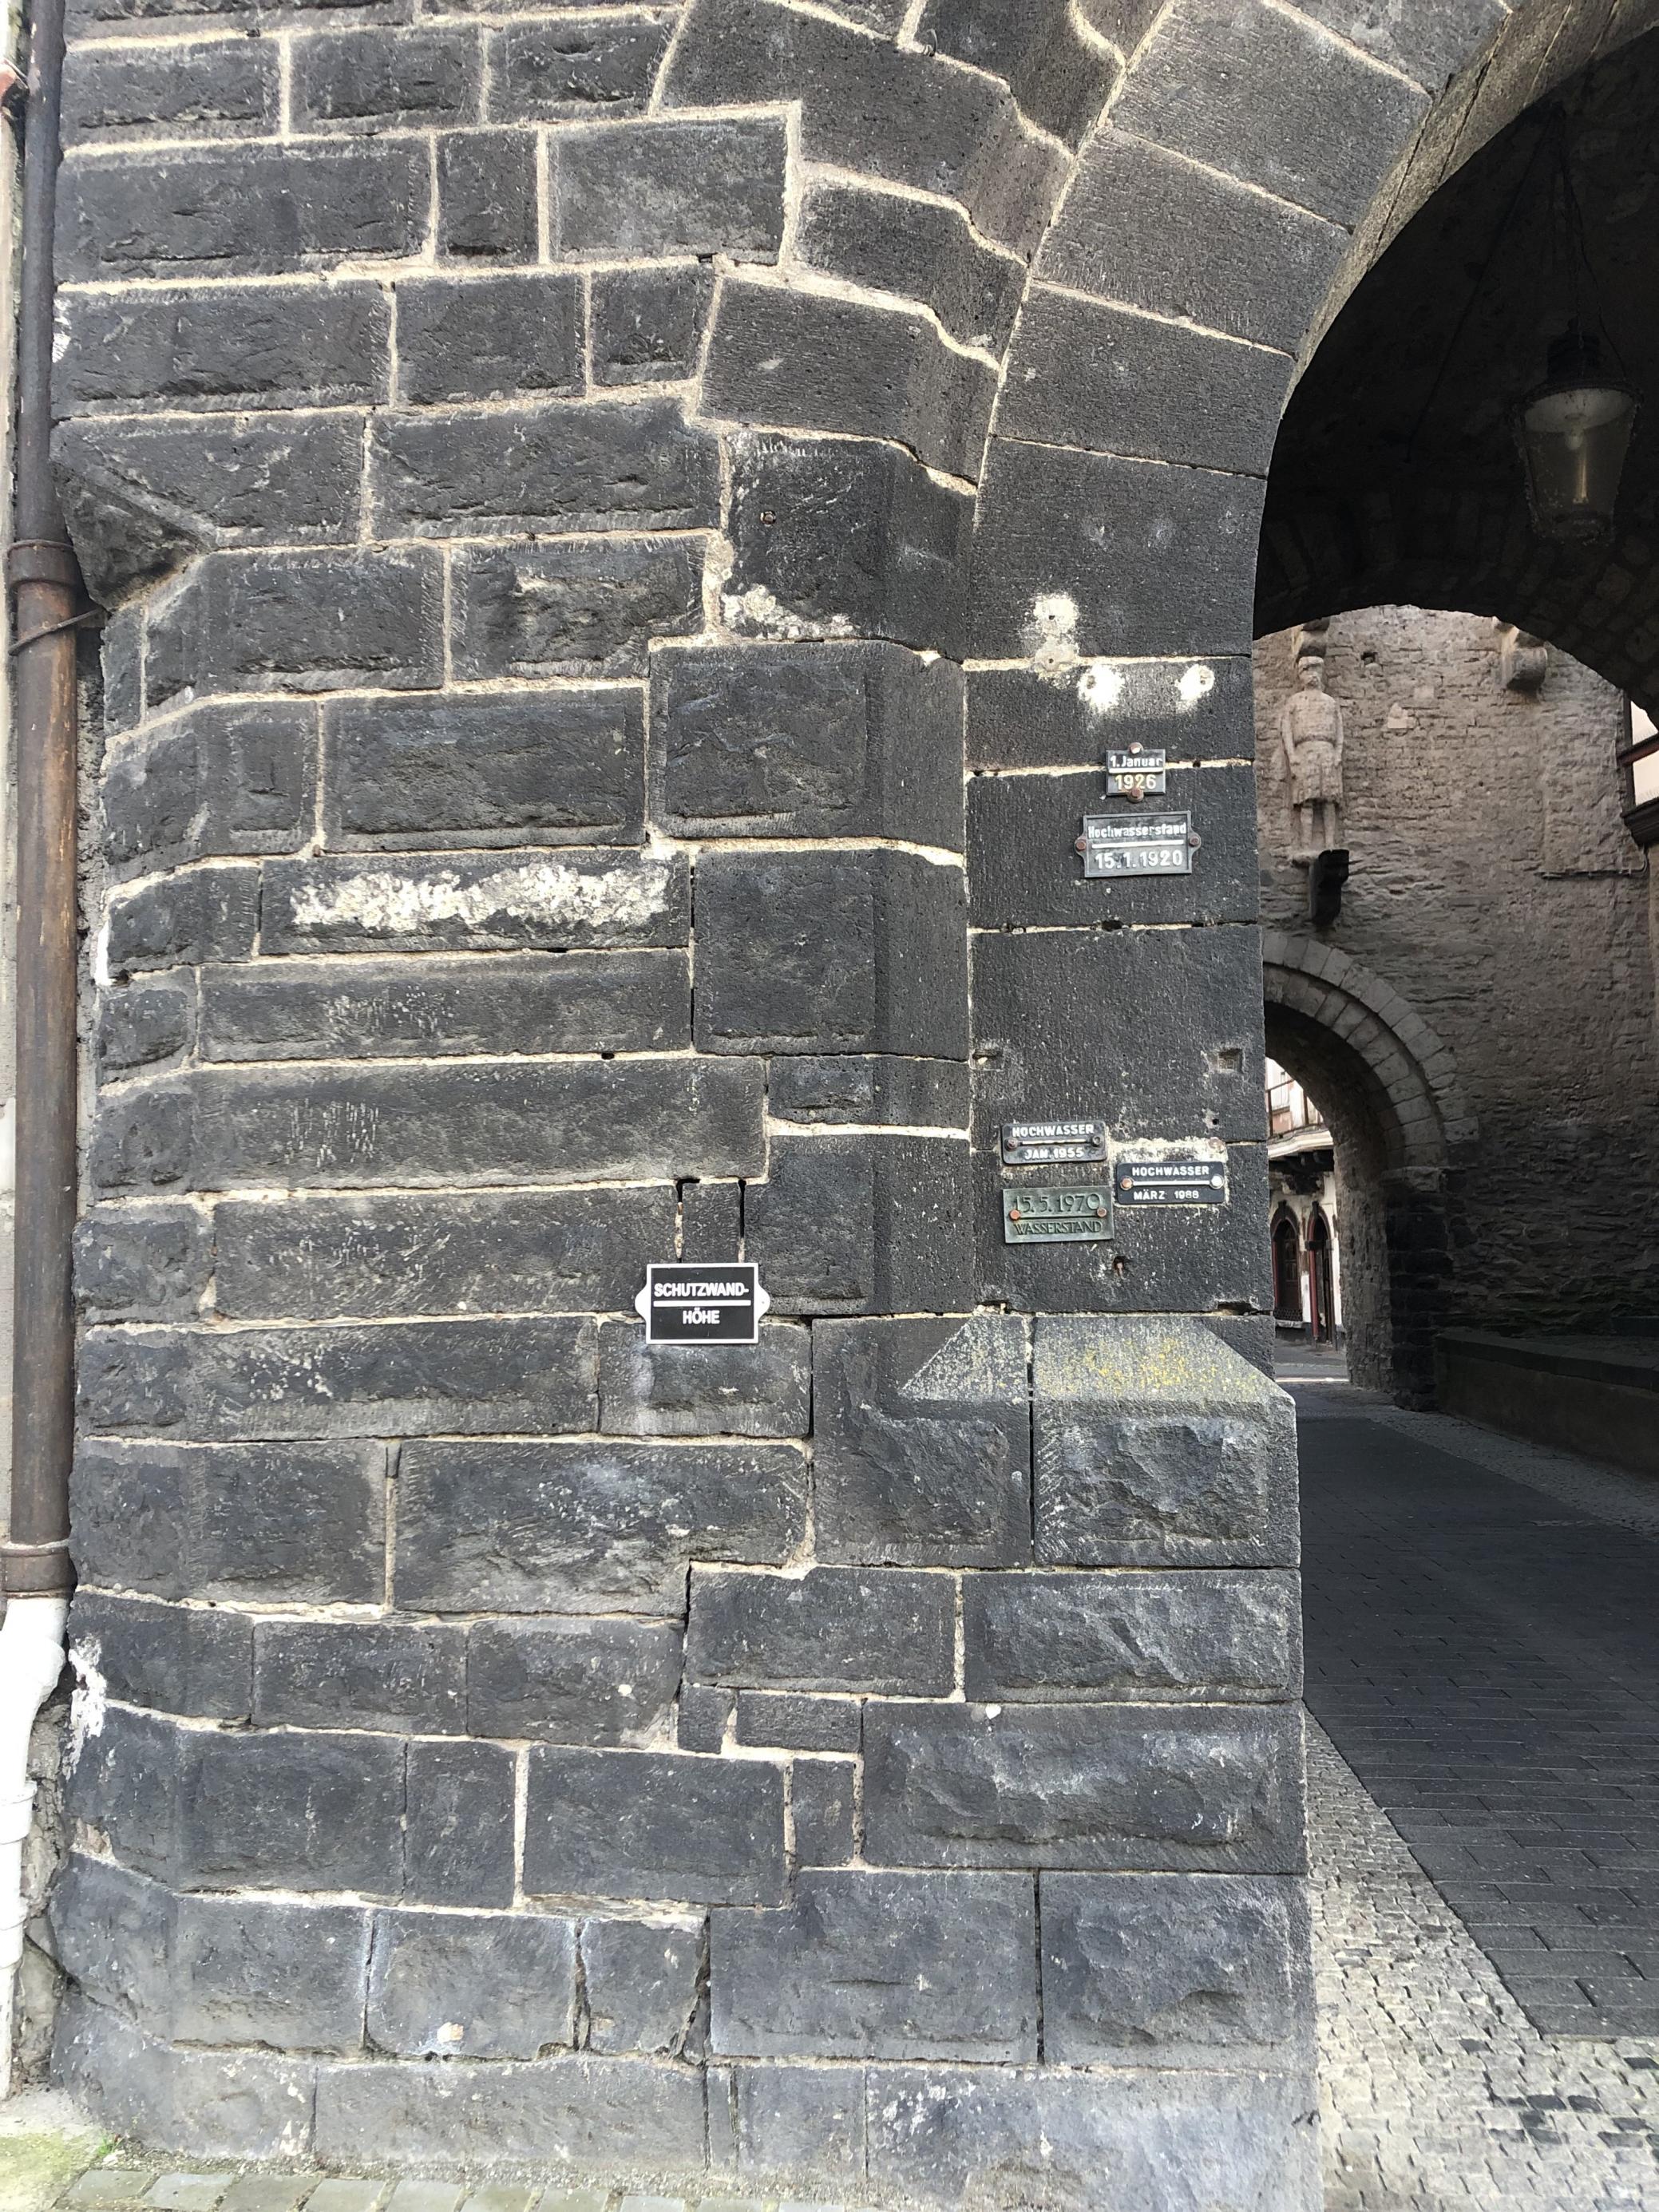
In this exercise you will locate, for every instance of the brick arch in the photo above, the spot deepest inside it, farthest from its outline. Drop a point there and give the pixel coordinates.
(1413, 1074)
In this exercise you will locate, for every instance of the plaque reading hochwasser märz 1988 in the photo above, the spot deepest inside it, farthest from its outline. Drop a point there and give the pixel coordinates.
(1136, 770)
(1046, 1144)
(1137, 844)
(713, 1302)
(1172, 1182)
(1072, 1215)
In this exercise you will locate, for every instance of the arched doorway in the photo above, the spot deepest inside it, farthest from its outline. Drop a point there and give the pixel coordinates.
(1321, 1279)
(1287, 1268)
(1389, 1091)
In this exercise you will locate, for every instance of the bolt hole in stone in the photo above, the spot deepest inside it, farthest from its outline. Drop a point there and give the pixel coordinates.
(1120, 1267)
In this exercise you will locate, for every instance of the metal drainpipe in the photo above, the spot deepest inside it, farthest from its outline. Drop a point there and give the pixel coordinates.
(49, 605)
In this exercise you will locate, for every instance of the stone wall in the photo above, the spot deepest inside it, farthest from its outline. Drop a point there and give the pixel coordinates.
(627, 532)
(1495, 893)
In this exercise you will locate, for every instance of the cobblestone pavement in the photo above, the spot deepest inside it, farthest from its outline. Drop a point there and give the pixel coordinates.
(1485, 1654)
(1436, 2093)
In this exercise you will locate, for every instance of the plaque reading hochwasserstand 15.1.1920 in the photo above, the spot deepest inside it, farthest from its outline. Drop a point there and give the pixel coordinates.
(1073, 1214)
(1137, 845)
(711, 1302)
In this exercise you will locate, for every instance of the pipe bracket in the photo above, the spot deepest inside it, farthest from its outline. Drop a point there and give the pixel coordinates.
(88, 617)
(37, 1569)
(42, 561)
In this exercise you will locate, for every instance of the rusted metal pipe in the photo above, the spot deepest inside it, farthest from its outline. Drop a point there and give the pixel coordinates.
(48, 606)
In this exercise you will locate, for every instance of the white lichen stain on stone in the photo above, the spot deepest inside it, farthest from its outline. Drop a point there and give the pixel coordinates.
(543, 894)
(1050, 632)
(1196, 682)
(1100, 687)
(90, 1699)
(758, 613)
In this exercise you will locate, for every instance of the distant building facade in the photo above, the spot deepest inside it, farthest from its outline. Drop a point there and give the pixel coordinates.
(1476, 1024)
(1303, 1188)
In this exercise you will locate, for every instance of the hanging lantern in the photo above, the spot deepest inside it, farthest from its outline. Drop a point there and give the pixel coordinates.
(1574, 432)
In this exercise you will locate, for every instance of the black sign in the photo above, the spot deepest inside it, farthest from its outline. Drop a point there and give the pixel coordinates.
(711, 1302)
(1041, 1144)
(1172, 1182)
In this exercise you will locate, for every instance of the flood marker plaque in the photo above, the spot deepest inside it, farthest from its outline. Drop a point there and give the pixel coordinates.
(1044, 1144)
(1137, 771)
(1138, 844)
(1172, 1182)
(1076, 1213)
(710, 1301)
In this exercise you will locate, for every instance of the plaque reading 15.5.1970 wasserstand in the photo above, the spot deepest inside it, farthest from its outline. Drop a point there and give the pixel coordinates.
(1071, 1215)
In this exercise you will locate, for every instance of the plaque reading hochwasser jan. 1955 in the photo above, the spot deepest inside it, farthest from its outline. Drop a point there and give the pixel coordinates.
(1071, 1215)
(1048, 1143)
(713, 1302)
(1137, 844)
(1172, 1182)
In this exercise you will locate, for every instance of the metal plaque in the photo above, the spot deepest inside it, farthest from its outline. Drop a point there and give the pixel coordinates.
(1172, 1182)
(1137, 844)
(708, 1301)
(1136, 771)
(1045, 1144)
(1080, 1212)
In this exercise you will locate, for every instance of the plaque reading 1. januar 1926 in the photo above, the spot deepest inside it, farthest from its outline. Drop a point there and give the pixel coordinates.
(1048, 1143)
(1072, 1215)
(711, 1301)
(1172, 1182)
(1137, 844)
(1136, 771)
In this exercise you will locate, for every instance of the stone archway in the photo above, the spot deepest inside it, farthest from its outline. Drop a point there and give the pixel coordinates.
(1388, 1087)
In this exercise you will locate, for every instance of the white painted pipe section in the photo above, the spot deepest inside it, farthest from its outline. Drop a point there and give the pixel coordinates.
(31, 1661)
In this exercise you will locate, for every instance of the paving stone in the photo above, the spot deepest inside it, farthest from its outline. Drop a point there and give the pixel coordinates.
(424, 2196)
(188, 2193)
(1445, 1687)
(346, 2195)
(268, 2192)
(103, 2186)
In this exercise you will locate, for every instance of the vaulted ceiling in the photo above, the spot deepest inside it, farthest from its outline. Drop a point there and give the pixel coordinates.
(1396, 479)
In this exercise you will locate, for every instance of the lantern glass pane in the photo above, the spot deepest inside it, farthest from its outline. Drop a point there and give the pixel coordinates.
(1575, 438)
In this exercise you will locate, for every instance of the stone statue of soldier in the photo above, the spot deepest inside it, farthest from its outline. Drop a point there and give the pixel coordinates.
(1310, 730)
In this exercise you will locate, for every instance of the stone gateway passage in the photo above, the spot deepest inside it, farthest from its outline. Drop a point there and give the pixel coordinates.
(628, 535)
